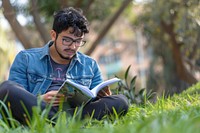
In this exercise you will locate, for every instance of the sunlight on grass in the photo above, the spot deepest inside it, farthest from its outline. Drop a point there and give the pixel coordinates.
(177, 114)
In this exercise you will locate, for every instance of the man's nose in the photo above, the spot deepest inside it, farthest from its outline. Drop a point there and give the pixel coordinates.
(73, 45)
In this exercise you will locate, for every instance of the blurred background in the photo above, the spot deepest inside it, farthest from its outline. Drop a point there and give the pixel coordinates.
(160, 39)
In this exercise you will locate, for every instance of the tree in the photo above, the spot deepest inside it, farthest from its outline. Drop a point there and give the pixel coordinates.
(43, 9)
(38, 24)
(173, 25)
(19, 30)
(108, 26)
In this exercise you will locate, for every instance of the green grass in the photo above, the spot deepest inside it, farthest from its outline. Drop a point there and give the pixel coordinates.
(177, 114)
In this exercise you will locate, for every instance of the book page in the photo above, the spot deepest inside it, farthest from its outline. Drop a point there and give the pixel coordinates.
(96, 89)
(79, 87)
(74, 96)
(78, 99)
(78, 94)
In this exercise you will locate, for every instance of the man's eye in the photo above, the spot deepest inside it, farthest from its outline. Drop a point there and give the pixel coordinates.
(78, 41)
(66, 40)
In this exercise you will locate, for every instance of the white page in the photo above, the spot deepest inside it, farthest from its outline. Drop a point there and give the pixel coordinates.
(84, 89)
(96, 89)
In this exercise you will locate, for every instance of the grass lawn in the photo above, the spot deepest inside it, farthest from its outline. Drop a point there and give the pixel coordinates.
(177, 114)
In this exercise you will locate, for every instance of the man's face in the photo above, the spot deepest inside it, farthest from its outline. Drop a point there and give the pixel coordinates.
(66, 44)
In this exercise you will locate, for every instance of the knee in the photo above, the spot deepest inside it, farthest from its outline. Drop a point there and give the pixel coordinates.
(8, 89)
(120, 104)
(123, 101)
(4, 89)
(6, 86)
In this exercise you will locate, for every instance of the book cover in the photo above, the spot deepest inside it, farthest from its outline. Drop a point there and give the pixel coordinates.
(77, 95)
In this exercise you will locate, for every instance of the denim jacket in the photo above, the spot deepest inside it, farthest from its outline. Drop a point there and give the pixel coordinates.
(32, 69)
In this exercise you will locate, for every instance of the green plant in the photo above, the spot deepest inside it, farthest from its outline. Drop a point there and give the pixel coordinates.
(128, 88)
(179, 113)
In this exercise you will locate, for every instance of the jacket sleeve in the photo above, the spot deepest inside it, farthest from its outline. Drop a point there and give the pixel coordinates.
(18, 70)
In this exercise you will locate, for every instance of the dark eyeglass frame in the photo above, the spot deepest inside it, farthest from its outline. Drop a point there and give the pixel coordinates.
(78, 42)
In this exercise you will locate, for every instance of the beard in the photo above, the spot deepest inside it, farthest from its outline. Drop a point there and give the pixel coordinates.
(62, 56)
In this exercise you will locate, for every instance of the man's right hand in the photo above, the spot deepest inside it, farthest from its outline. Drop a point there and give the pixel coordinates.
(54, 97)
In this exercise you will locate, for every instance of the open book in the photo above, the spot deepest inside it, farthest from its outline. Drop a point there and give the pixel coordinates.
(77, 95)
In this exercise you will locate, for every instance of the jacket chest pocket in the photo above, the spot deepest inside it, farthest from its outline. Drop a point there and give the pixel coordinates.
(33, 78)
(35, 82)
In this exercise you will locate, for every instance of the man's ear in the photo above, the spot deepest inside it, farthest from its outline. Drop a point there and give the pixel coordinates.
(53, 35)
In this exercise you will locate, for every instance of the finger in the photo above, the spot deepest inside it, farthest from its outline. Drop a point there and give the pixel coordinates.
(57, 102)
(51, 99)
(107, 90)
(101, 94)
(104, 93)
(60, 95)
(60, 99)
(48, 98)
(52, 93)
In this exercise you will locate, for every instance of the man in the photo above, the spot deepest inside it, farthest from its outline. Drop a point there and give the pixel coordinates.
(41, 71)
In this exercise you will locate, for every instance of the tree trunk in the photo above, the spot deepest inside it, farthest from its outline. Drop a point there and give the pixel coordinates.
(108, 26)
(62, 3)
(19, 30)
(87, 8)
(181, 70)
(39, 25)
(78, 3)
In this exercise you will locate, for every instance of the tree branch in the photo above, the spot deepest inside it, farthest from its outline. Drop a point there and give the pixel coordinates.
(78, 3)
(109, 25)
(181, 70)
(63, 3)
(39, 25)
(90, 2)
(19, 30)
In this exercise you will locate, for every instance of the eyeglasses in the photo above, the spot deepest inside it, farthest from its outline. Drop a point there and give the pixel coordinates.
(68, 41)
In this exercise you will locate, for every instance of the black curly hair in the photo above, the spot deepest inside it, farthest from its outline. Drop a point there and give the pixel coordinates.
(70, 17)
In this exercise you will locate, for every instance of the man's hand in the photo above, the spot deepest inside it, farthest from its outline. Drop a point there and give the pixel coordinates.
(54, 97)
(104, 92)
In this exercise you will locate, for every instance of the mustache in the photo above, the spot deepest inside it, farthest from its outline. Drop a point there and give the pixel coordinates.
(69, 50)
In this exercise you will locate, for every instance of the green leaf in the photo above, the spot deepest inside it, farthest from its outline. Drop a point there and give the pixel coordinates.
(132, 93)
(132, 84)
(141, 92)
(150, 94)
(127, 71)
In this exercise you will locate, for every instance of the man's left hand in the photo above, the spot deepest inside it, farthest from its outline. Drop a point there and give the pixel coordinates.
(104, 92)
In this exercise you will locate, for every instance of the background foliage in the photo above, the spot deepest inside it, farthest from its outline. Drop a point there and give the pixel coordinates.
(171, 28)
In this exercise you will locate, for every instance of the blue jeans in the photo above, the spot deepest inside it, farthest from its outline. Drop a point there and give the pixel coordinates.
(15, 94)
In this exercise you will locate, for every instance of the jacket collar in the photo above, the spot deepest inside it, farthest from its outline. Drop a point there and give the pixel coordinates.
(45, 50)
